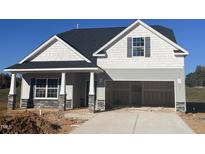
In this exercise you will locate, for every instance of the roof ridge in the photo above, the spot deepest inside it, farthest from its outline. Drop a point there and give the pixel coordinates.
(90, 28)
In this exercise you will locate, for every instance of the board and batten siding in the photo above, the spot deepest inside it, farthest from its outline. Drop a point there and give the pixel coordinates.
(162, 54)
(57, 51)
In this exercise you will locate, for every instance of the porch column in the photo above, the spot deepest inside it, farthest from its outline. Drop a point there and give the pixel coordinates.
(12, 93)
(62, 96)
(91, 102)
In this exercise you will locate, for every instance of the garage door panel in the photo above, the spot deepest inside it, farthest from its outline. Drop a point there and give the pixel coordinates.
(120, 97)
(159, 93)
(148, 93)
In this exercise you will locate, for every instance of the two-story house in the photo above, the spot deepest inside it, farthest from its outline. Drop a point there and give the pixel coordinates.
(138, 65)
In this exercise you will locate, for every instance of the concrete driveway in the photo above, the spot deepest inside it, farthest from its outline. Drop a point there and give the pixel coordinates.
(138, 122)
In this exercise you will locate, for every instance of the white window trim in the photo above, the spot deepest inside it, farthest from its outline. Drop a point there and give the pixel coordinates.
(46, 97)
(138, 46)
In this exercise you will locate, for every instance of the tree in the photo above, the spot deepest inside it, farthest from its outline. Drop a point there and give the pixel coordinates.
(196, 78)
(5, 79)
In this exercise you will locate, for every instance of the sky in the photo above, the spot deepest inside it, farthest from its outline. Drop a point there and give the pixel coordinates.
(18, 38)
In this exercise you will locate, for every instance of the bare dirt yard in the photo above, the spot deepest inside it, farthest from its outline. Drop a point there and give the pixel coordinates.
(31, 122)
(195, 120)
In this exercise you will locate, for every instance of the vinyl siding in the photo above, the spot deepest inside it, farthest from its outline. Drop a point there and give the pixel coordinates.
(162, 54)
(145, 75)
(25, 87)
(57, 51)
(75, 85)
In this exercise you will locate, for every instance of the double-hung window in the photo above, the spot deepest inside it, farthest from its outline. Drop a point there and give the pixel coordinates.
(46, 88)
(138, 46)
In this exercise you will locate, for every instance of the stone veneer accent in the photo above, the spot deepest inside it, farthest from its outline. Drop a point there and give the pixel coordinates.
(27, 103)
(68, 104)
(11, 102)
(54, 104)
(91, 103)
(181, 106)
(100, 105)
(62, 102)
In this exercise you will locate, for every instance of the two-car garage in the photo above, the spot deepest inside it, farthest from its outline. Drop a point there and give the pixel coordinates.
(140, 93)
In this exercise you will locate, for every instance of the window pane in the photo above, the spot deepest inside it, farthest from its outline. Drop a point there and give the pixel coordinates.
(52, 93)
(41, 93)
(41, 83)
(142, 42)
(52, 83)
(134, 51)
(134, 41)
(138, 41)
(142, 53)
(138, 53)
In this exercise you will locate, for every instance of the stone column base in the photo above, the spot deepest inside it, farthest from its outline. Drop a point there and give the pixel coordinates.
(100, 105)
(62, 102)
(91, 103)
(11, 102)
(181, 106)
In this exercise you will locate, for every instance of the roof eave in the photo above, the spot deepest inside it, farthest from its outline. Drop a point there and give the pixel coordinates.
(88, 69)
(148, 27)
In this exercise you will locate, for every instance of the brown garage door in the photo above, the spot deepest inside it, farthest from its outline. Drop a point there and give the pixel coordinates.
(158, 93)
(147, 93)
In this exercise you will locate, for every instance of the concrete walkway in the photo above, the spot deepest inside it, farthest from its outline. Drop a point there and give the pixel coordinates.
(138, 122)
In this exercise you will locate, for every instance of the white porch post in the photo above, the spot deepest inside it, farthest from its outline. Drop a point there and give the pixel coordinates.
(13, 84)
(62, 96)
(12, 92)
(63, 81)
(91, 104)
(92, 86)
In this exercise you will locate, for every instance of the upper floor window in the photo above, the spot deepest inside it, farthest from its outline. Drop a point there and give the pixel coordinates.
(138, 46)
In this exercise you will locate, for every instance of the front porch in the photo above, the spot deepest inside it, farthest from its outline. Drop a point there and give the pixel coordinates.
(63, 90)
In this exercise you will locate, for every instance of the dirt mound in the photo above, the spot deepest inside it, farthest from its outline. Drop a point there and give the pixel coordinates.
(27, 123)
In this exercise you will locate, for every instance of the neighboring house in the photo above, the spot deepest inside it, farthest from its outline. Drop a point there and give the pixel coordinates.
(98, 68)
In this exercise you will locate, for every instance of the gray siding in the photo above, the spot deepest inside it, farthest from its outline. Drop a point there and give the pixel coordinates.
(75, 90)
(176, 75)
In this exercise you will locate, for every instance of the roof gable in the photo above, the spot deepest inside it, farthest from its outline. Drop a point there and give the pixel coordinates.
(87, 41)
(47, 43)
(162, 32)
(56, 51)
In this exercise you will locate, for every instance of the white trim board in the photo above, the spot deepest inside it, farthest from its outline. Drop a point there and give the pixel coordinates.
(53, 69)
(147, 27)
(49, 41)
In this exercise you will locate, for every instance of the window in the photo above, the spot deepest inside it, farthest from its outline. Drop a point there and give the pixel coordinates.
(46, 88)
(138, 46)
(52, 88)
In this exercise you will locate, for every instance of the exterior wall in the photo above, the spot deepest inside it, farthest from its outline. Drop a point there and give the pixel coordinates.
(162, 65)
(57, 51)
(176, 75)
(162, 55)
(75, 90)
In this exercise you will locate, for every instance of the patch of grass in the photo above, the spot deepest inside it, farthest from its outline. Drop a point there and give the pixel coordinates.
(4, 97)
(195, 94)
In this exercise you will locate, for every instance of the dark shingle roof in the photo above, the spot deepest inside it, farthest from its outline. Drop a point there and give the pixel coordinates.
(165, 31)
(52, 64)
(178, 51)
(89, 40)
